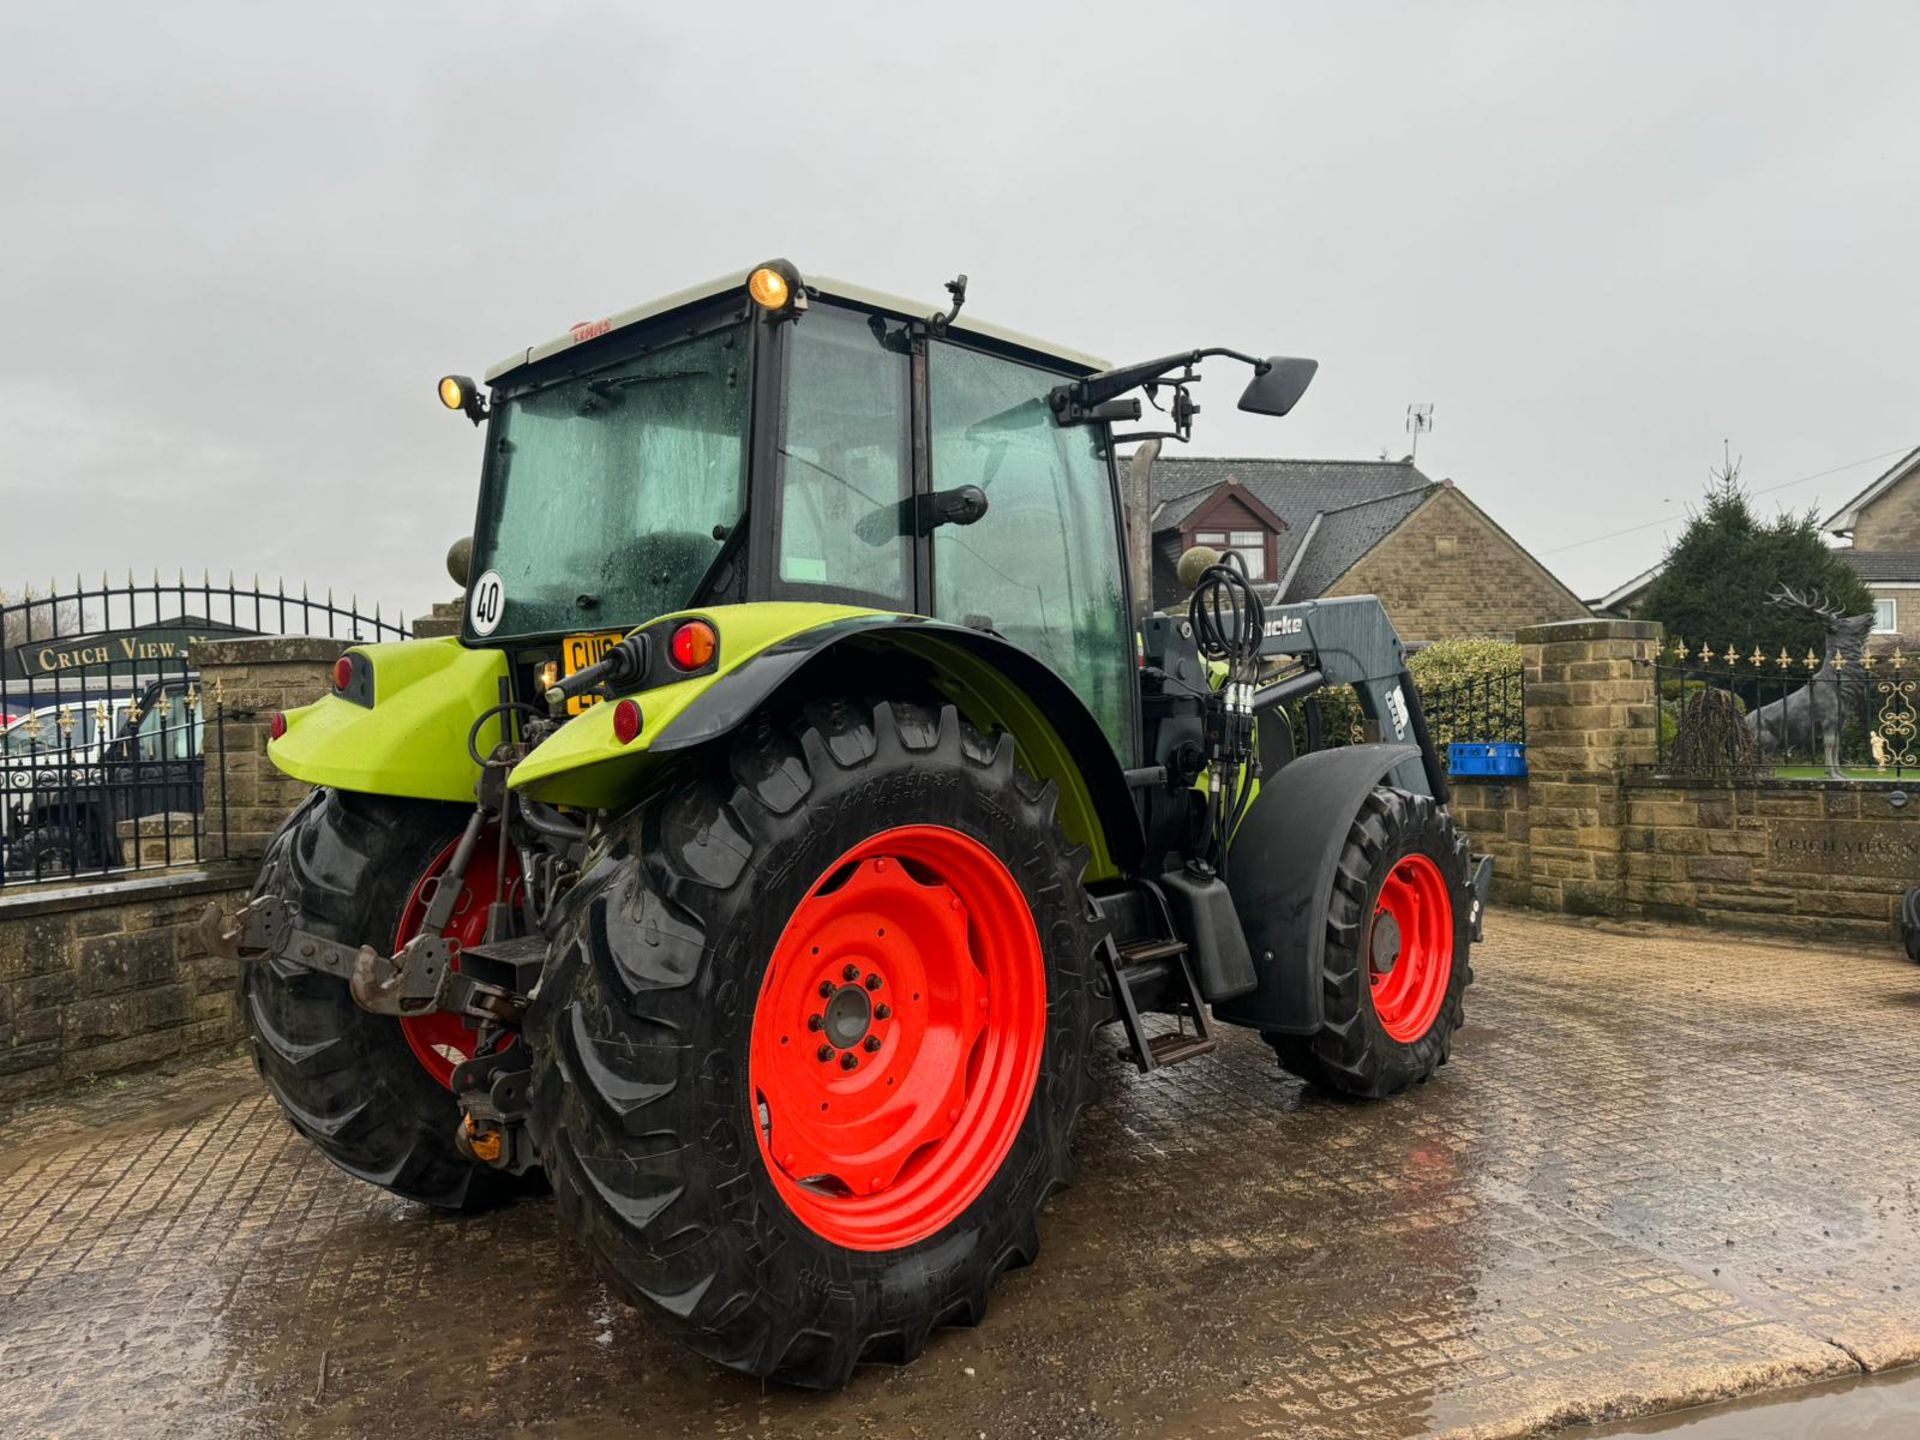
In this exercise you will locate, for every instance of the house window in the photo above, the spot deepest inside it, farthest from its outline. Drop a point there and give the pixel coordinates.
(1886, 616)
(1249, 545)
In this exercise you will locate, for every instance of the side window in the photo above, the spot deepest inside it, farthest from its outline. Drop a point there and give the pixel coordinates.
(845, 463)
(169, 731)
(1042, 566)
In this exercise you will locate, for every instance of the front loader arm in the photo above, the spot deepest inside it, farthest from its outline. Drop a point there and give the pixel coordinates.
(1350, 641)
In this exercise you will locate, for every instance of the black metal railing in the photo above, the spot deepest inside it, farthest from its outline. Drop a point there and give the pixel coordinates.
(1742, 714)
(1485, 709)
(103, 723)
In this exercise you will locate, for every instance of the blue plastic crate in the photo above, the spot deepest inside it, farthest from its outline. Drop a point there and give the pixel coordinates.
(1502, 757)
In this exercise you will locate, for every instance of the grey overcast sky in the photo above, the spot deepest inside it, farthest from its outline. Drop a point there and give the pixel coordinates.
(240, 243)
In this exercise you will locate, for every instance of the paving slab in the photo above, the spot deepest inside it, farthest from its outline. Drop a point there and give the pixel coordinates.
(1665, 1166)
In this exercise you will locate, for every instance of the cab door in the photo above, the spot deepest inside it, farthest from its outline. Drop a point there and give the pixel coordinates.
(1044, 566)
(843, 462)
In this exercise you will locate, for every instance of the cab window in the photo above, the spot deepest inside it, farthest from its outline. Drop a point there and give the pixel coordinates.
(1042, 566)
(845, 464)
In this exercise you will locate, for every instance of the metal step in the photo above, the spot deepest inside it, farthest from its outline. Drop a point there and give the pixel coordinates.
(1142, 952)
(1152, 963)
(1172, 1049)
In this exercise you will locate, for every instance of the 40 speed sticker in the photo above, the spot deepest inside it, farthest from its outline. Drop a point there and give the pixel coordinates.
(484, 604)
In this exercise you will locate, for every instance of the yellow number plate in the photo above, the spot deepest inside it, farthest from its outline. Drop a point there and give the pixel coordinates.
(577, 652)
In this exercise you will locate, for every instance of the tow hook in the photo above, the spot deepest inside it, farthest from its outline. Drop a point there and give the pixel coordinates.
(492, 1091)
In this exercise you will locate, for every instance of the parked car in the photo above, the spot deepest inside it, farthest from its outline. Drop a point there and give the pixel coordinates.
(69, 785)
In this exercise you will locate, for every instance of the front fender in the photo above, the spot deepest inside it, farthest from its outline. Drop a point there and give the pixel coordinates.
(1280, 871)
(412, 741)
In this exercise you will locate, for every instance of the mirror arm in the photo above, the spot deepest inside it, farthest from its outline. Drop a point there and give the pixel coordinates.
(1073, 402)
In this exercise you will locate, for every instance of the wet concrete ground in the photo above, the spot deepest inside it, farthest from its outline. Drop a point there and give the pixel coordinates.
(1875, 1407)
(1664, 1167)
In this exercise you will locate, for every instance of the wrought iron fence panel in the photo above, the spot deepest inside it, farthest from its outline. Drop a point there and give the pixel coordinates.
(1740, 713)
(1479, 710)
(103, 720)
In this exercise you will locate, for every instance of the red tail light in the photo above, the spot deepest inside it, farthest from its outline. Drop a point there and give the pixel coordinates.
(693, 644)
(343, 672)
(277, 726)
(626, 722)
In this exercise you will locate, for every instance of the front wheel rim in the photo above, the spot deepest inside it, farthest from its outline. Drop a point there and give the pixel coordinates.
(897, 1037)
(1409, 988)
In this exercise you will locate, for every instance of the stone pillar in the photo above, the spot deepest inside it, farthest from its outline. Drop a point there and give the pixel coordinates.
(444, 620)
(244, 682)
(1591, 718)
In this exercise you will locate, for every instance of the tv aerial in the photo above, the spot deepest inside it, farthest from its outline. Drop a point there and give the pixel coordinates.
(1419, 421)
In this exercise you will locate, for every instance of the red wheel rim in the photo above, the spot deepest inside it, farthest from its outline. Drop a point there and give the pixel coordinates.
(442, 1040)
(1409, 987)
(897, 1037)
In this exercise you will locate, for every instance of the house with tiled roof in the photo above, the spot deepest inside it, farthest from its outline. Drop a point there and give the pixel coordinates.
(1307, 528)
(1879, 534)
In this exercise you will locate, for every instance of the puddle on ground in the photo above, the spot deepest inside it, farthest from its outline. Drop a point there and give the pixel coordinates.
(1880, 1407)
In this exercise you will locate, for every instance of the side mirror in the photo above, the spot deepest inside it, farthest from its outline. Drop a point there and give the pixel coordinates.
(460, 560)
(1279, 388)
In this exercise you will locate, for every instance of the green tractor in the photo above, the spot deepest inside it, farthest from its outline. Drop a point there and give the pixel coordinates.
(803, 794)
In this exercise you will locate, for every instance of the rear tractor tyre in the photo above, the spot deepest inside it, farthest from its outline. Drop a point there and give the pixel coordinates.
(814, 1036)
(368, 1090)
(1397, 961)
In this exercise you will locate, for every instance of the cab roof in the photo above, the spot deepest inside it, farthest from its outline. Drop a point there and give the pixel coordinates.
(826, 288)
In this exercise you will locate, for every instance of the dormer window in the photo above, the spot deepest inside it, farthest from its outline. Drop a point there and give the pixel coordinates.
(1250, 545)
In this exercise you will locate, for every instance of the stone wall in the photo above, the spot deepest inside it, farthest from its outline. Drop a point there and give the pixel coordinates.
(1495, 813)
(107, 977)
(102, 978)
(1806, 856)
(1449, 571)
(1592, 830)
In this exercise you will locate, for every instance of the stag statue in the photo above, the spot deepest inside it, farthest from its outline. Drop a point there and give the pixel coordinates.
(1817, 710)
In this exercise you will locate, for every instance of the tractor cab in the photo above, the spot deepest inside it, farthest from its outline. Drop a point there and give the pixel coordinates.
(808, 441)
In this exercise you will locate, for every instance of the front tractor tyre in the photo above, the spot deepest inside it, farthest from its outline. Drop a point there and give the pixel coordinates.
(1396, 962)
(371, 1092)
(815, 1036)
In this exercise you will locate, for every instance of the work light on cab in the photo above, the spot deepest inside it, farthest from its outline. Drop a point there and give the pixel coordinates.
(458, 392)
(692, 645)
(776, 288)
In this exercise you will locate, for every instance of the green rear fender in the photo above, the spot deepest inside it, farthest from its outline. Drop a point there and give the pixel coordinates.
(412, 741)
(765, 648)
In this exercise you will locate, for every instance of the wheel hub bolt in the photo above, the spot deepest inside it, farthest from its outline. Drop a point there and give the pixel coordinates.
(873, 982)
(825, 1052)
(849, 1061)
(852, 972)
(873, 1043)
(814, 1022)
(826, 989)
(883, 1012)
